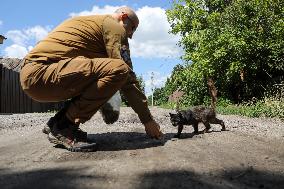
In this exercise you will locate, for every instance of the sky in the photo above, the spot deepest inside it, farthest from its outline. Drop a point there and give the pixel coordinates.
(154, 51)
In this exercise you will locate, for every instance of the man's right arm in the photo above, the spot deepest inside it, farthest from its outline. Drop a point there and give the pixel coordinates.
(138, 102)
(137, 99)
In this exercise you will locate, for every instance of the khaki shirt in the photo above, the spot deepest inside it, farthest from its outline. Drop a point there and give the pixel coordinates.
(97, 36)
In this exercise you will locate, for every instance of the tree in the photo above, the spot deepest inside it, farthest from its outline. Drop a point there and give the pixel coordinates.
(237, 43)
(159, 97)
(141, 83)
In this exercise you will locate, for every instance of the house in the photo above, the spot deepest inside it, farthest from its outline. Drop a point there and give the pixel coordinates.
(2, 39)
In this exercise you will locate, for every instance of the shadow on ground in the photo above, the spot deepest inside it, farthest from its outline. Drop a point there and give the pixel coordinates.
(68, 178)
(236, 178)
(47, 179)
(116, 141)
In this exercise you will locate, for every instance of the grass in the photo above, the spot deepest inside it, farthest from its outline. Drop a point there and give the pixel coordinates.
(262, 108)
(269, 107)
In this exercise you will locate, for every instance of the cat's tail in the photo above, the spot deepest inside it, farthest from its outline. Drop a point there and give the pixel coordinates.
(213, 92)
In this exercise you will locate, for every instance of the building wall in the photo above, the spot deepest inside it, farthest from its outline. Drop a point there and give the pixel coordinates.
(12, 97)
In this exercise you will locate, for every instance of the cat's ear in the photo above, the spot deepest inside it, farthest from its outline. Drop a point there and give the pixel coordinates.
(172, 115)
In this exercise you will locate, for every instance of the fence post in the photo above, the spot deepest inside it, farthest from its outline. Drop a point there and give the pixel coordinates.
(1, 87)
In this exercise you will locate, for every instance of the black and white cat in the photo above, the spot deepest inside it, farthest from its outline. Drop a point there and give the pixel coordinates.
(194, 116)
(198, 114)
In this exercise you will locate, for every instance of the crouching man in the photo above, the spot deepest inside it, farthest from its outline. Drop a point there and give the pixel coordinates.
(85, 59)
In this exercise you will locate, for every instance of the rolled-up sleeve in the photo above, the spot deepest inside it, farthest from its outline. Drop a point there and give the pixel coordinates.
(117, 47)
(137, 99)
(132, 90)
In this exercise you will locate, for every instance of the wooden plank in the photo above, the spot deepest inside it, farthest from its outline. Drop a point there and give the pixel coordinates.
(17, 92)
(34, 106)
(4, 102)
(38, 105)
(13, 98)
(22, 100)
(30, 105)
(16, 110)
(10, 91)
(3, 91)
(26, 100)
(42, 107)
(1, 94)
(6, 90)
(26, 103)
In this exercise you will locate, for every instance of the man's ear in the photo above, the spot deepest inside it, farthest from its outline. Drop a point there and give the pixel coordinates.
(124, 16)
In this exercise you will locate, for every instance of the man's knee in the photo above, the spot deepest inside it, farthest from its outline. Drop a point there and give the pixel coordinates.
(120, 68)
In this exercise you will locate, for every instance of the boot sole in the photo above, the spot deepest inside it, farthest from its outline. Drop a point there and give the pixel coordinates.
(83, 148)
(46, 130)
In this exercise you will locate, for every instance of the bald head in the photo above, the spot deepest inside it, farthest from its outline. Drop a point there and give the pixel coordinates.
(131, 14)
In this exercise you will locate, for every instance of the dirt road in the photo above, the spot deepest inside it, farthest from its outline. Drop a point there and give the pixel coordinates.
(249, 155)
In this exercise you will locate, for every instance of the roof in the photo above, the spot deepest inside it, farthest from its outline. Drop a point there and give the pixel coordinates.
(3, 37)
(11, 63)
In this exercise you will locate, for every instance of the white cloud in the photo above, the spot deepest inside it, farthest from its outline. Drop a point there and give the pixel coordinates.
(1, 22)
(15, 51)
(151, 39)
(96, 10)
(37, 32)
(22, 40)
(17, 37)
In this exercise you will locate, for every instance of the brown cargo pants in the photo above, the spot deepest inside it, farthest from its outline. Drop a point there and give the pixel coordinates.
(88, 82)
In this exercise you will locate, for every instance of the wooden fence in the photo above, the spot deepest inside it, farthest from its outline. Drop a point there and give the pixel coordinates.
(12, 97)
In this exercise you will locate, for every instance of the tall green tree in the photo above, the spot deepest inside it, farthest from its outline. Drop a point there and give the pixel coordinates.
(239, 43)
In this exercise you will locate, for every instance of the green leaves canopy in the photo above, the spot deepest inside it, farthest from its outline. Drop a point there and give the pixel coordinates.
(239, 43)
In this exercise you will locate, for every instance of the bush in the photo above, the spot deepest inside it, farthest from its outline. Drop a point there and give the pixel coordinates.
(268, 107)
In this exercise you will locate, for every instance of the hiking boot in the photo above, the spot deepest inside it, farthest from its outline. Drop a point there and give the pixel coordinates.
(48, 126)
(80, 135)
(62, 133)
(67, 141)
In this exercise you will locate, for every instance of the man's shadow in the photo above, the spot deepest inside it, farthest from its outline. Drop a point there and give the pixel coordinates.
(116, 141)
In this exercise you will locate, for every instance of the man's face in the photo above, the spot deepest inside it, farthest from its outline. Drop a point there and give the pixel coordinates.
(129, 26)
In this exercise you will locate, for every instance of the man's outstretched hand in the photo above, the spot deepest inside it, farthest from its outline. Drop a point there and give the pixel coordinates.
(152, 129)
